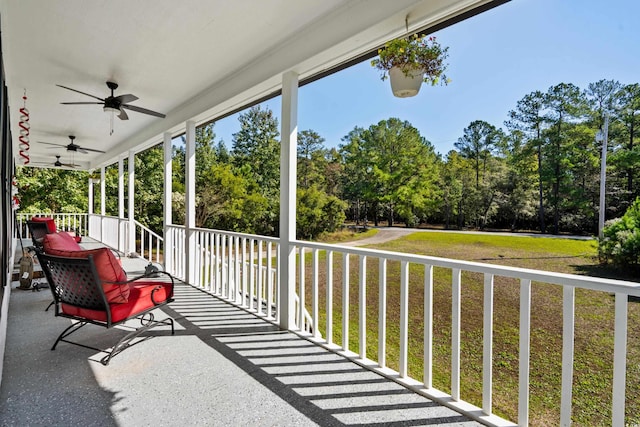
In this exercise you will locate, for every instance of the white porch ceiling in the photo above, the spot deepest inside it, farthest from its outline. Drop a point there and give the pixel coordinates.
(194, 60)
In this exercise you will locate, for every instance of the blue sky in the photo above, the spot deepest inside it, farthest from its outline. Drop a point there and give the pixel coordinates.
(494, 60)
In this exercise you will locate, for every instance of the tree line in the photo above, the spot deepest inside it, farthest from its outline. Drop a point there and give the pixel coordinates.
(540, 171)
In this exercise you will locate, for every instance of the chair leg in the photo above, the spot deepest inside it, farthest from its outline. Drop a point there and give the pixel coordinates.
(124, 342)
(71, 329)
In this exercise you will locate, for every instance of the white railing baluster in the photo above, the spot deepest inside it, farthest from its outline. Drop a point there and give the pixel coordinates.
(314, 293)
(229, 269)
(362, 306)
(244, 272)
(404, 318)
(568, 321)
(455, 333)
(525, 352)
(269, 280)
(382, 312)
(223, 261)
(329, 326)
(238, 266)
(260, 279)
(195, 258)
(345, 301)
(150, 247)
(276, 282)
(301, 290)
(487, 348)
(252, 274)
(206, 251)
(428, 327)
(218, 288)
(619, 360)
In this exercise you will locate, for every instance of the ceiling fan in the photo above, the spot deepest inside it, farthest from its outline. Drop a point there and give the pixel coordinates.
(73, 146)
(58, 163)
(114, 104)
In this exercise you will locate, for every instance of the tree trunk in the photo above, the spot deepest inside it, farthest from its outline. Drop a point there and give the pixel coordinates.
(540, 190)
(447, 215)
(375, 214)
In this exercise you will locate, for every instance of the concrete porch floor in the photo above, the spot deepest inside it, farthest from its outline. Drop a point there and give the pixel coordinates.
(224, 366)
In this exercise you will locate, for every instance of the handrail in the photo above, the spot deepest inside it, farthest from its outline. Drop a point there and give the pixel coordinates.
(425, 275)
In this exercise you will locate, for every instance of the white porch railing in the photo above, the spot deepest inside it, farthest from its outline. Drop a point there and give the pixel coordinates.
(228, 265)
(241, 268)
(76, 222)
(419, 281)
(114, 232)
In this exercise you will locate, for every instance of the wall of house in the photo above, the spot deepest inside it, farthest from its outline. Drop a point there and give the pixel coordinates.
(6, 213)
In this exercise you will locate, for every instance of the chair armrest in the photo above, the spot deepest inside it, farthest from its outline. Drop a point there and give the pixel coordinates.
(151, 275)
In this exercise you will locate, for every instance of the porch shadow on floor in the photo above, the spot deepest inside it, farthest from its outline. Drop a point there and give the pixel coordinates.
(224, 366)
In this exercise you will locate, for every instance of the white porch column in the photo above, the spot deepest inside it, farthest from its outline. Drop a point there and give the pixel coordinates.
(131, 169)
(168, 179)
(190, 201)
(288, 159)
(103, 196)
(90, 197)
(121, 227)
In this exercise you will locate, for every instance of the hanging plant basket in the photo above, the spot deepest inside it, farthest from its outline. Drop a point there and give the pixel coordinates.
(411, 60)
(405, 85)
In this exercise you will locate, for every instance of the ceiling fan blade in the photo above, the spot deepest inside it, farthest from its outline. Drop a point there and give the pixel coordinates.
(85, 149)
(142, 110)
(84, 93)
(82, 150)
(126, 98)
(123, 115)
(51, 143)
(81, 103)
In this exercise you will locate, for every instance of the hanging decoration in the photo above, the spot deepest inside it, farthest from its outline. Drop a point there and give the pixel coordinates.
(24, 131)
(15, 202)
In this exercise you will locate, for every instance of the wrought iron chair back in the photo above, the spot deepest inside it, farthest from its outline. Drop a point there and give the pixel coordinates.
(37, 230)
(74, 281)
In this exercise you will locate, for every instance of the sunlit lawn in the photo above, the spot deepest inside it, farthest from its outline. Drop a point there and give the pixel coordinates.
(594, 323)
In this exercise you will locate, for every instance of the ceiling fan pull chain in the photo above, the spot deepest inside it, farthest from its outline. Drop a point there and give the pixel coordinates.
(24, 131)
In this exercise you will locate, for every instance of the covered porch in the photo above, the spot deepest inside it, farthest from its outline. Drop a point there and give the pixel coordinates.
(271, 330)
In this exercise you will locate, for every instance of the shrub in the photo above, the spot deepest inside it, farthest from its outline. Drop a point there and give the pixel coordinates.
(620, 242)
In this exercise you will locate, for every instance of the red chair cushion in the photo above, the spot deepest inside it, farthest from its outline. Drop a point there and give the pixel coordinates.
(140, 299)
(57, 242)
(108, 268)
(51, 224)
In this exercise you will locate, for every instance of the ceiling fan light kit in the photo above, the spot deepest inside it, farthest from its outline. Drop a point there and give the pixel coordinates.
(114, 105)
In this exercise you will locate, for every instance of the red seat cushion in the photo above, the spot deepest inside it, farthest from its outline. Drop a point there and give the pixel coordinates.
(59, 242)
(140, 299)
(108, 268)
(51, 224)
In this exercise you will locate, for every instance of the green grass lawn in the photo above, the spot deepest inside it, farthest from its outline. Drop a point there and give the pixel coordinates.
(348, 235)
(594, 323)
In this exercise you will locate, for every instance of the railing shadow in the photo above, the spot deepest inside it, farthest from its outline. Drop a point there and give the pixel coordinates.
(325, 387)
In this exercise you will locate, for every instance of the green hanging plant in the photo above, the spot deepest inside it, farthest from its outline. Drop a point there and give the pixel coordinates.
(414, 54)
